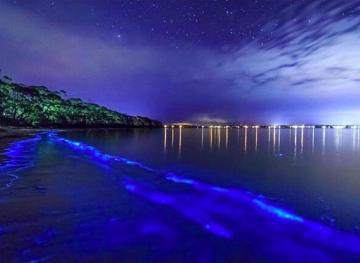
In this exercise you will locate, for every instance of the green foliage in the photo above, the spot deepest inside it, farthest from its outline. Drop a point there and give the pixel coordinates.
(36, 106)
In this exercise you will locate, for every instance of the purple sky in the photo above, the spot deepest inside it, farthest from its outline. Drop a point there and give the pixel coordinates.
(245, 61)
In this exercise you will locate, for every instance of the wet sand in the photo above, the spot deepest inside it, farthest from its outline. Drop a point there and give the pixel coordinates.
(42, 212)
(9, 135)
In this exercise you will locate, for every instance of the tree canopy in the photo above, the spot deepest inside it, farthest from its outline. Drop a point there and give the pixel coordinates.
(37, 106)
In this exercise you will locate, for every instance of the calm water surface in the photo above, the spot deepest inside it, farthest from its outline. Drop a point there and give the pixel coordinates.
(182, 195)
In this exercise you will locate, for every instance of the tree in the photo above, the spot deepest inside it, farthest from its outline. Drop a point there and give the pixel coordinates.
(7, 79)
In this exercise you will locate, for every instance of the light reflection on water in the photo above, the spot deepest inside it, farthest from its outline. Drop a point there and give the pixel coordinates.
(211, 138)
(256, 138)
(202, 138)
(245, 139)
(319, 165)
(298, 140)
(323, 140)
(180, 141)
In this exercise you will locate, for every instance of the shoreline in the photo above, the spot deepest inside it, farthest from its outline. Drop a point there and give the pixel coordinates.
(26, 130)
(17, 133)
(9, 134)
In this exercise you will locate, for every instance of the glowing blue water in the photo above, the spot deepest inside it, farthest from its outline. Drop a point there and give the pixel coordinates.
(187, 213)
(19, 156)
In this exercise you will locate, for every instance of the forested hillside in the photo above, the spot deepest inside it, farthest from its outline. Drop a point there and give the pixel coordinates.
(37, 106)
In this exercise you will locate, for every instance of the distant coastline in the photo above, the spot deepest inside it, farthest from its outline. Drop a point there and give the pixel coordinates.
(244, 126)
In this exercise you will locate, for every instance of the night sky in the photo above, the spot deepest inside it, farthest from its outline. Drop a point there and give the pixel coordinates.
(265, 61)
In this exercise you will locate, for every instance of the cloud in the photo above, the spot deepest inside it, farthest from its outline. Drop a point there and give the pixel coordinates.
(305, 61)
(311, 50)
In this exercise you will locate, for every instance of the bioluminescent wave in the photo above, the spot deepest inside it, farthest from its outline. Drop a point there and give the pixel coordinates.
(235, 194)
(19, 156)
(220, 212)
(170, 176)
(224, 212)
(277, 211)
(95, 153)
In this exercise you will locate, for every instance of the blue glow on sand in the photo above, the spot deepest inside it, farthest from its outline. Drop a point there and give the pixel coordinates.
(19, 156)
